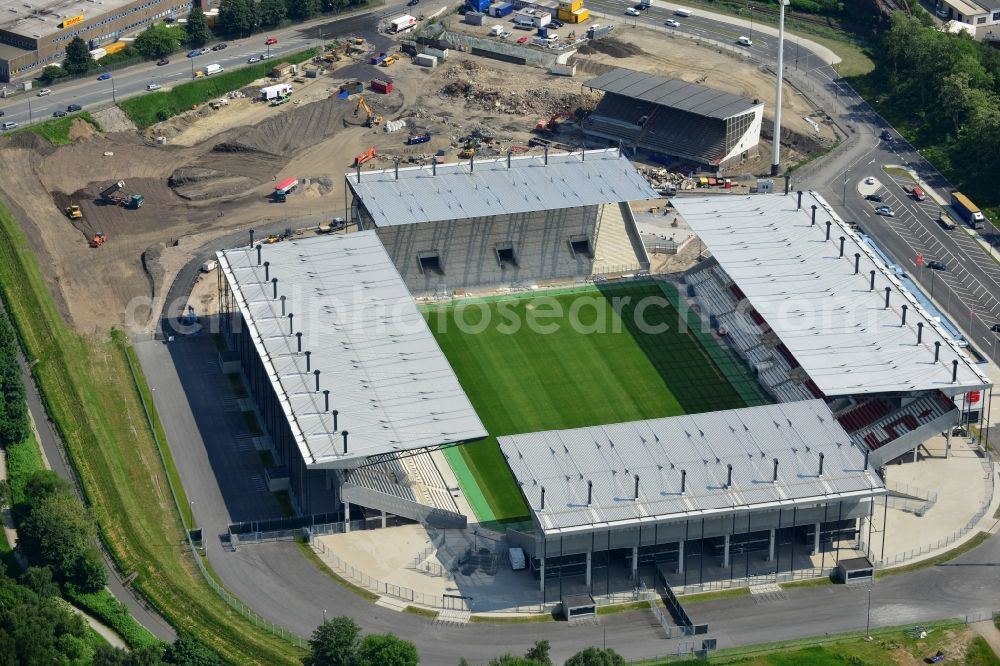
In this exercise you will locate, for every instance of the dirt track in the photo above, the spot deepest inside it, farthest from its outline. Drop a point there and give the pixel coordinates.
(216, 167)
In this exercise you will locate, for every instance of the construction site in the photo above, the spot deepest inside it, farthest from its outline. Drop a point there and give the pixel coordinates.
(145, 200)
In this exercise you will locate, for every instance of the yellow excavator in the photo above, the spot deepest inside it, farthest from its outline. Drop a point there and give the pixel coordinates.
(373, 119)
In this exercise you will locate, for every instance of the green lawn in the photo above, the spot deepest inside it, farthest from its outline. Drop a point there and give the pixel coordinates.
(608, 369)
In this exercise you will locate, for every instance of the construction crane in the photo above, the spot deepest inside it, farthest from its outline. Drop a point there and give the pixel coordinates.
(373, 119)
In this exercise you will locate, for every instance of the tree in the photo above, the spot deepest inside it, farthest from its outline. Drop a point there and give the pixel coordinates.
(77, 60)
(198, 31)
(511, 660)
(272, 12)
(189, 651)
(237, 18)
(51, 73)
(334, 643)
(593, 656)
(146, 655)
(386, 650)
(302, 10)
(539, 652)
(39, 580)
(327, 6)
(13, 408)
(157, 41)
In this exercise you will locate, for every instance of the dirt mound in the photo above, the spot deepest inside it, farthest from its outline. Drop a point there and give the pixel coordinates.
(199, 183)
(30, 141)
(611, 47)
(81, 129)
(238, 147)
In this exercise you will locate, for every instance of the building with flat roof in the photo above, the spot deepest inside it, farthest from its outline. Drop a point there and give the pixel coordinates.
(35, 33)
(343, 366)
(494, 222)
(661, 490)
(669, 119)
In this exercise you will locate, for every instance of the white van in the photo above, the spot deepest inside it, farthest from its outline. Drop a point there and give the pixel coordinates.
(744, 41)
(9, 125)
(680, 11)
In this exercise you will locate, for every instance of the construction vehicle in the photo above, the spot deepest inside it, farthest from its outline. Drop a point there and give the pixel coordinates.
(118, 195)
(271, 239)
(414, 139)
(549, 126)
(73, 212)
(98, 239)
(469, 149)
(366, 156)
(388, 61)
(373, 119)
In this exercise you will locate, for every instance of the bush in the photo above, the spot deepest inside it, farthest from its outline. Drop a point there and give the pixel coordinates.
(103, 606)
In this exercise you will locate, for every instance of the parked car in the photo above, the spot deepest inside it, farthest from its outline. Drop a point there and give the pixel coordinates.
(71, 108)
(253, 59)
(59, 113)
(153, 86)
(874, 197)
(104, 77)
(937, 265)
(162, 61)
(505, 34)
(744, 41)
(43, 92)
(886, 135)
(673, 24)
(555, 23)
(632, 11)
(995, 328)
(2, 114)
(9, 125)
(271, 41)
(206, 50)
(219, 46)
(522, 40)
(413, 3)
(885, 210)
(870, 180)
(194, 54)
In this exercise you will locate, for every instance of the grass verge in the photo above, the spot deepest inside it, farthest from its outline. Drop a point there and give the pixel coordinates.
(712, 596)
(506, 619)
(898, 172)
(813, 582)
(159, 106)
(322, 566)
(113, 613)
(96, 407)
(421, 612)
(622, 608)
(937, 559)
(56, 131)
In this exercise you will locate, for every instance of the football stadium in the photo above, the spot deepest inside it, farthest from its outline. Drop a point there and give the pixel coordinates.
(461, 362)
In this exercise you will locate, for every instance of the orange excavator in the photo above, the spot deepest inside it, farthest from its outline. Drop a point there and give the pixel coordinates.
(98, 239)
(373, 119)
(366, 156)
(548, 126)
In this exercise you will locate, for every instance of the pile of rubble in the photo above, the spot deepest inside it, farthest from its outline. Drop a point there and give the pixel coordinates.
(462, 85)
(663, 180)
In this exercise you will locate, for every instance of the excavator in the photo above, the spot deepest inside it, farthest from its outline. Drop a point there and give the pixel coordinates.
(98, 239)
(366, 156)
(73, 212)
(469, 149)
(548, 126)
(373, 119)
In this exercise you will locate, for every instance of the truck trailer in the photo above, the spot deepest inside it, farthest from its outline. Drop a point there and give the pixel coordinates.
(268, 93)
(402, 24)
(969, 211)
(117, 194)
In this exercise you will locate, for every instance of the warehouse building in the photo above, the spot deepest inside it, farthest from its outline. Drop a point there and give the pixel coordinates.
(35, 33)
(669, 120)
(509, 221)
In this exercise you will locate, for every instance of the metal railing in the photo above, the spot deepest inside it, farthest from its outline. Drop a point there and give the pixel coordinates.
(650, 597)
(917, 501)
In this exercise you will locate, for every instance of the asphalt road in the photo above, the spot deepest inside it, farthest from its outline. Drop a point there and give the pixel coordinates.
(92, 94)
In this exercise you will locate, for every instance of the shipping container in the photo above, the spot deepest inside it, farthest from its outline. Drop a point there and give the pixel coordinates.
(281, 69)
(541, 20)
(279, 90)
(440, 54)
(475, 18)
(425, 60)
(380, 86)
(97, 54)
(563, 70)
(496, 31)
(502, 9)
(478, 5)
(115, 47)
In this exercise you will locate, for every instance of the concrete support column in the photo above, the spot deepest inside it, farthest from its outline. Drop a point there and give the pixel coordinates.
(589, 555)
(816, 540)
(384, 518)
(541, 575)
(680, 557)
(347, 517)
(859, 525)
(947, 446)
(770, 546)
(725, 551)
(635, 563)
(915, 448)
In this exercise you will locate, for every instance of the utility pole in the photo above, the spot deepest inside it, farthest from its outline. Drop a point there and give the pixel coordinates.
(776, 147)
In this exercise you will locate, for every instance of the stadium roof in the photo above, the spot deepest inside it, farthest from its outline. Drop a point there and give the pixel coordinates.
(490, 187)
(702, 446)
(835, 326)
(674, 93)
(388, 379)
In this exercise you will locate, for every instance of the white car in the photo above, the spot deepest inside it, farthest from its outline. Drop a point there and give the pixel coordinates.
(43, 92)
(505, 34)
(744, 41)
(870, 180)
(153, 86)
(253, 59)
(632, 11)
(673, 24)
(265, 56)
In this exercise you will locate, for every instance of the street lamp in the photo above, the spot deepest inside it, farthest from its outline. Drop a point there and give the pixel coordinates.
(29, 110)
(868, 623)
(750, 9)
(113, 99)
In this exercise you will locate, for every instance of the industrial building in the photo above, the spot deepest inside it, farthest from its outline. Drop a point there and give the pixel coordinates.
(34, 34)
(669, 120)
(507, 221)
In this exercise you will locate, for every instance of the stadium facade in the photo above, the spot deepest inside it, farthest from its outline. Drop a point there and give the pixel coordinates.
(662, 118)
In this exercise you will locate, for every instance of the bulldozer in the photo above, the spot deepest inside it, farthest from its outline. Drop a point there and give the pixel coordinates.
(469, 149)
(366, 156)
(98, 239)
(373, 119)
(73, 212)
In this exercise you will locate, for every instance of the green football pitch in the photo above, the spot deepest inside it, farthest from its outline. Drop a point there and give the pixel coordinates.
(570, 359)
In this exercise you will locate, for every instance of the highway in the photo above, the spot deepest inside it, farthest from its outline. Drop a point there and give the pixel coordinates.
(92, 94)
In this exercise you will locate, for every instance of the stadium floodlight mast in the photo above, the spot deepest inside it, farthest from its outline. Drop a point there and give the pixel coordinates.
(776, 144)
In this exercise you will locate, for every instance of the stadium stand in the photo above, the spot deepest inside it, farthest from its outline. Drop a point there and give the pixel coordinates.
(618, 248)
